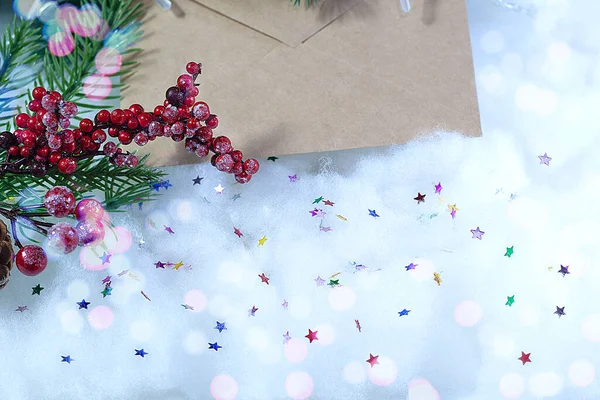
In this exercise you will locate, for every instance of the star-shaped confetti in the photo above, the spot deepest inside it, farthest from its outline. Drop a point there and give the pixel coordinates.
(262, 241)
(263, 278)
(560, 311)
(221, 326)
(334, 282)
(286, 337)
(477, 233)
(159, 264)
(312, 336)
(438, 188)
(272, 158)
(66, 359)
(140, 352)
(293, 178)
(236, 196)
(318, 200)
(37, 289)
(284, 304)
(359, 267)
(237, 232)
(325, 228)
(509, 251)
(545, 159)
(437, 277)
(403, 312)
(187, 307)
(156, 186)
(106, 280)
(524, 358)
(252, 311)
(178, 265)
(357, 323)
(106, 292)
(105, 258)
(21, 308)
(328, 203)
(166, 184)
(219, 189)
(83, 304)
(510, 300)
(411, 266)
(420, 198)
(197, 180)
(453, 213)
(319, 281)
(373, 213)
(373, 360)
(168, 229)
(564, 270)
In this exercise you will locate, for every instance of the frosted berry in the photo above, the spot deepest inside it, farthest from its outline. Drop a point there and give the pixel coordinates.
(62, 238)
(31, 260)
(204, 133)
(177, 128)
(237, 168)
(224, 163)
(110, 149)
(155, 128)
(89, 209)
(185, 81)
(201, 111)
(251, 166)
(68, 136)
(50, 120)
(222, 145)
(68, 109)
(67, 165)
(175, 96)
(90, 232)
(170, 114)
(131, 161)
(212, 122)
(192, 68)
(191, 145)
(38, 93)
(202, 150)
(243, 178)
(141, 139)
(49, 102)
(64, 123)
(59, 201)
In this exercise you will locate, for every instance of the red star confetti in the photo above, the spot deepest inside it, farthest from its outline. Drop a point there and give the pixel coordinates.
(312, 335)
(329, 203)
(524, 358)
(264, 278)
(420, 198)
(373, 360)
(237, 232)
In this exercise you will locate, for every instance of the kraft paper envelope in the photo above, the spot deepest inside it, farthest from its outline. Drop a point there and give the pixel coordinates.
(290, 80)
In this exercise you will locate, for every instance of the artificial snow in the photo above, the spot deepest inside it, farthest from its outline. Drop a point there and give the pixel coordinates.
(181, 277)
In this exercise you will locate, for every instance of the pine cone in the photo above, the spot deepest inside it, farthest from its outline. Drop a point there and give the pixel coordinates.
(6, 255)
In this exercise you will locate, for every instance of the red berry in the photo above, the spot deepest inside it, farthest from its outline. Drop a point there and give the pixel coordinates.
(90, 232)
(185, 81)
(158, 110)
(213, 160)
(192, 68)
(237, 156)
(68, 147)
(31, 260)
(132, 123)
(251, 166)
(144, 119)
(177, 138)
(125, 137)
(189, 101)
(24, 152)
(131, 161)
(40, 114)
(38, 93)
(21, 120)
(222, 145)
(68, 109)
(93, 148)
(103, 116)
(62, 238)
(56, 95)
(43, 151)
(113, 132)
(86, 141)
(204, 134)
(137, 109)
(117, 117)
(224, 163)
(243, 178)
(89, 209)
(32, 123)
(191, 145)
(67, 165)
(54, 157)
(35, 105)
(237, 168)
(59, 201)
(202, 150)
(110, 149)
(13, 151)
(193, 124)
(39, 127)
(98, 136)
(140, 139)
(201, 111)
(86, 125)
(212, 122)
(183, 113)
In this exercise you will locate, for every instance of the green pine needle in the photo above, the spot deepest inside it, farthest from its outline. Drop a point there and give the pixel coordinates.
(308, 2)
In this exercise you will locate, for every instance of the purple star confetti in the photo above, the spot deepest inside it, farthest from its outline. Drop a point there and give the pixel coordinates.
(106, 280)
(293, 178)
(438, 188)
(286, 337)
(545, 159)
(187, 307)
(564, 270)
(325, 228)
(284, 304)
(21, 308)
(252, 311)
(168, 229)
(411, 266)
(319, 281)
(477, 234)
(105, 258)
(159, 264)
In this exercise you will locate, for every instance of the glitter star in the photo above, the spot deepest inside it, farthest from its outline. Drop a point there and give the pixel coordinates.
(272, 158)
(236, 196)
(373, 213)
(314, 212)
(524, 358)
(168, 229)
(372, 360)
(286, 337)
(66, 359)
(106, 291)
(411, 266)
(37, 289)
(318, 200)
(357, 323)
(21, 308)
(452, 207)
(403, 312)
(197, 180)
(329, 203)
(510, 300)
(166, 184)
(319, 281)
(560, 311)
(438, 188)
(325, 228)
(178, 265)
(105, 258)
(545, 159)
(312, 335)
(509, 251)
(187, 307)
(293, 178)
(437, 277)
(262, 241)
(220, 326)
(156, 186)
(420, 198)
(252, 311)
(140, 352)
(159, 264)
(359, 267)
(106, 280)
(263, 278)
(477, 234)
(564, 270)
(284, 304)
(333, 282)
(453, 213)
(83, 304)
(237, 232)
(219, 189)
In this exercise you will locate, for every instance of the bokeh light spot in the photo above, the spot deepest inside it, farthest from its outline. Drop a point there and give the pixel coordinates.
(492, 42)
(90, 260)
(141, 331)
(421, 389)
(354, 372)
(195, 342)
(591, 328)
(545, 384)
(71, 322)
(511, 386)
(326, 334)
(88, 21)
(196, 299)
(467, 313)
(185, 210)
(384, 373)
(108, 61)
(67, 17)
(582, 373)
(299, 385)
(300, 307)
(257, 338)
(342, 298)
(96, 87)
(223, 387)
(295, 350)
(78, 289)
(101, 317)
(47, 11)
(117, 239)
(26, 9)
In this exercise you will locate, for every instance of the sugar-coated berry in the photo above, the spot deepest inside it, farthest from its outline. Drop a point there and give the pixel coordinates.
(212, 122)
(155, 128)
(98, 136)
(103, 116)
(237, 168)
(222, 145)
(170, 114)
(201, 150)
(224, 162)
(67, 165)
(89, 209)
(59, 201)
(31, 260)
(177, 128)
(68, 109)
(38, 93)
(192, 68)
(90, 232)
(110, 149)
(131, 161)
(191, 144)
(251, 166)
(185, 81)
(54, 157)
(125, 137)
(68, 136)
(237, 155)
(54, 142)
(49, 102)
(50, 120)
(141, 139)
(201, 111)
(243, 178)
(144, 120)
(204, 133)
(167, 131)
(132, 123)
(64, 123)
(189, 133)
(62, 238)
(137, 109)
(117, 117)
(86, 125)
(21, 120)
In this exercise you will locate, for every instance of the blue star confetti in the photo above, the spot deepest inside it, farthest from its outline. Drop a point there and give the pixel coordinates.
(66, 359)
(214, 346)
(83, 304)
(140, 353)
(403, 312)
(221, 326)
(373, 214)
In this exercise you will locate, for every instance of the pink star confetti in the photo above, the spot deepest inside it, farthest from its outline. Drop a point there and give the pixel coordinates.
(325, 228)
(107, 279)
(285, 304)
(286, 337)
(264, 278)
(438, 188)
(237, 232)
(21, 308)
(252, 311)
(168, 229)
(357, 322)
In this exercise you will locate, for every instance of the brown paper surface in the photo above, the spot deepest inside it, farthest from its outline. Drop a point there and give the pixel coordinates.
(285, 80)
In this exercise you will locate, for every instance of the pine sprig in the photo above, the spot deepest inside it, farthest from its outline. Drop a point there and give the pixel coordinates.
(308, 2)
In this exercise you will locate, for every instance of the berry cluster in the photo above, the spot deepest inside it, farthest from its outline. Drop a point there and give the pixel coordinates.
(63, 238)
(44, 140)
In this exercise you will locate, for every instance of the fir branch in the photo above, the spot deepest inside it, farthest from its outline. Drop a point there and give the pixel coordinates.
(308, 2)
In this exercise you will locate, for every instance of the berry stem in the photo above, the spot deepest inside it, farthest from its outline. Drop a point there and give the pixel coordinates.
(13, 228)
